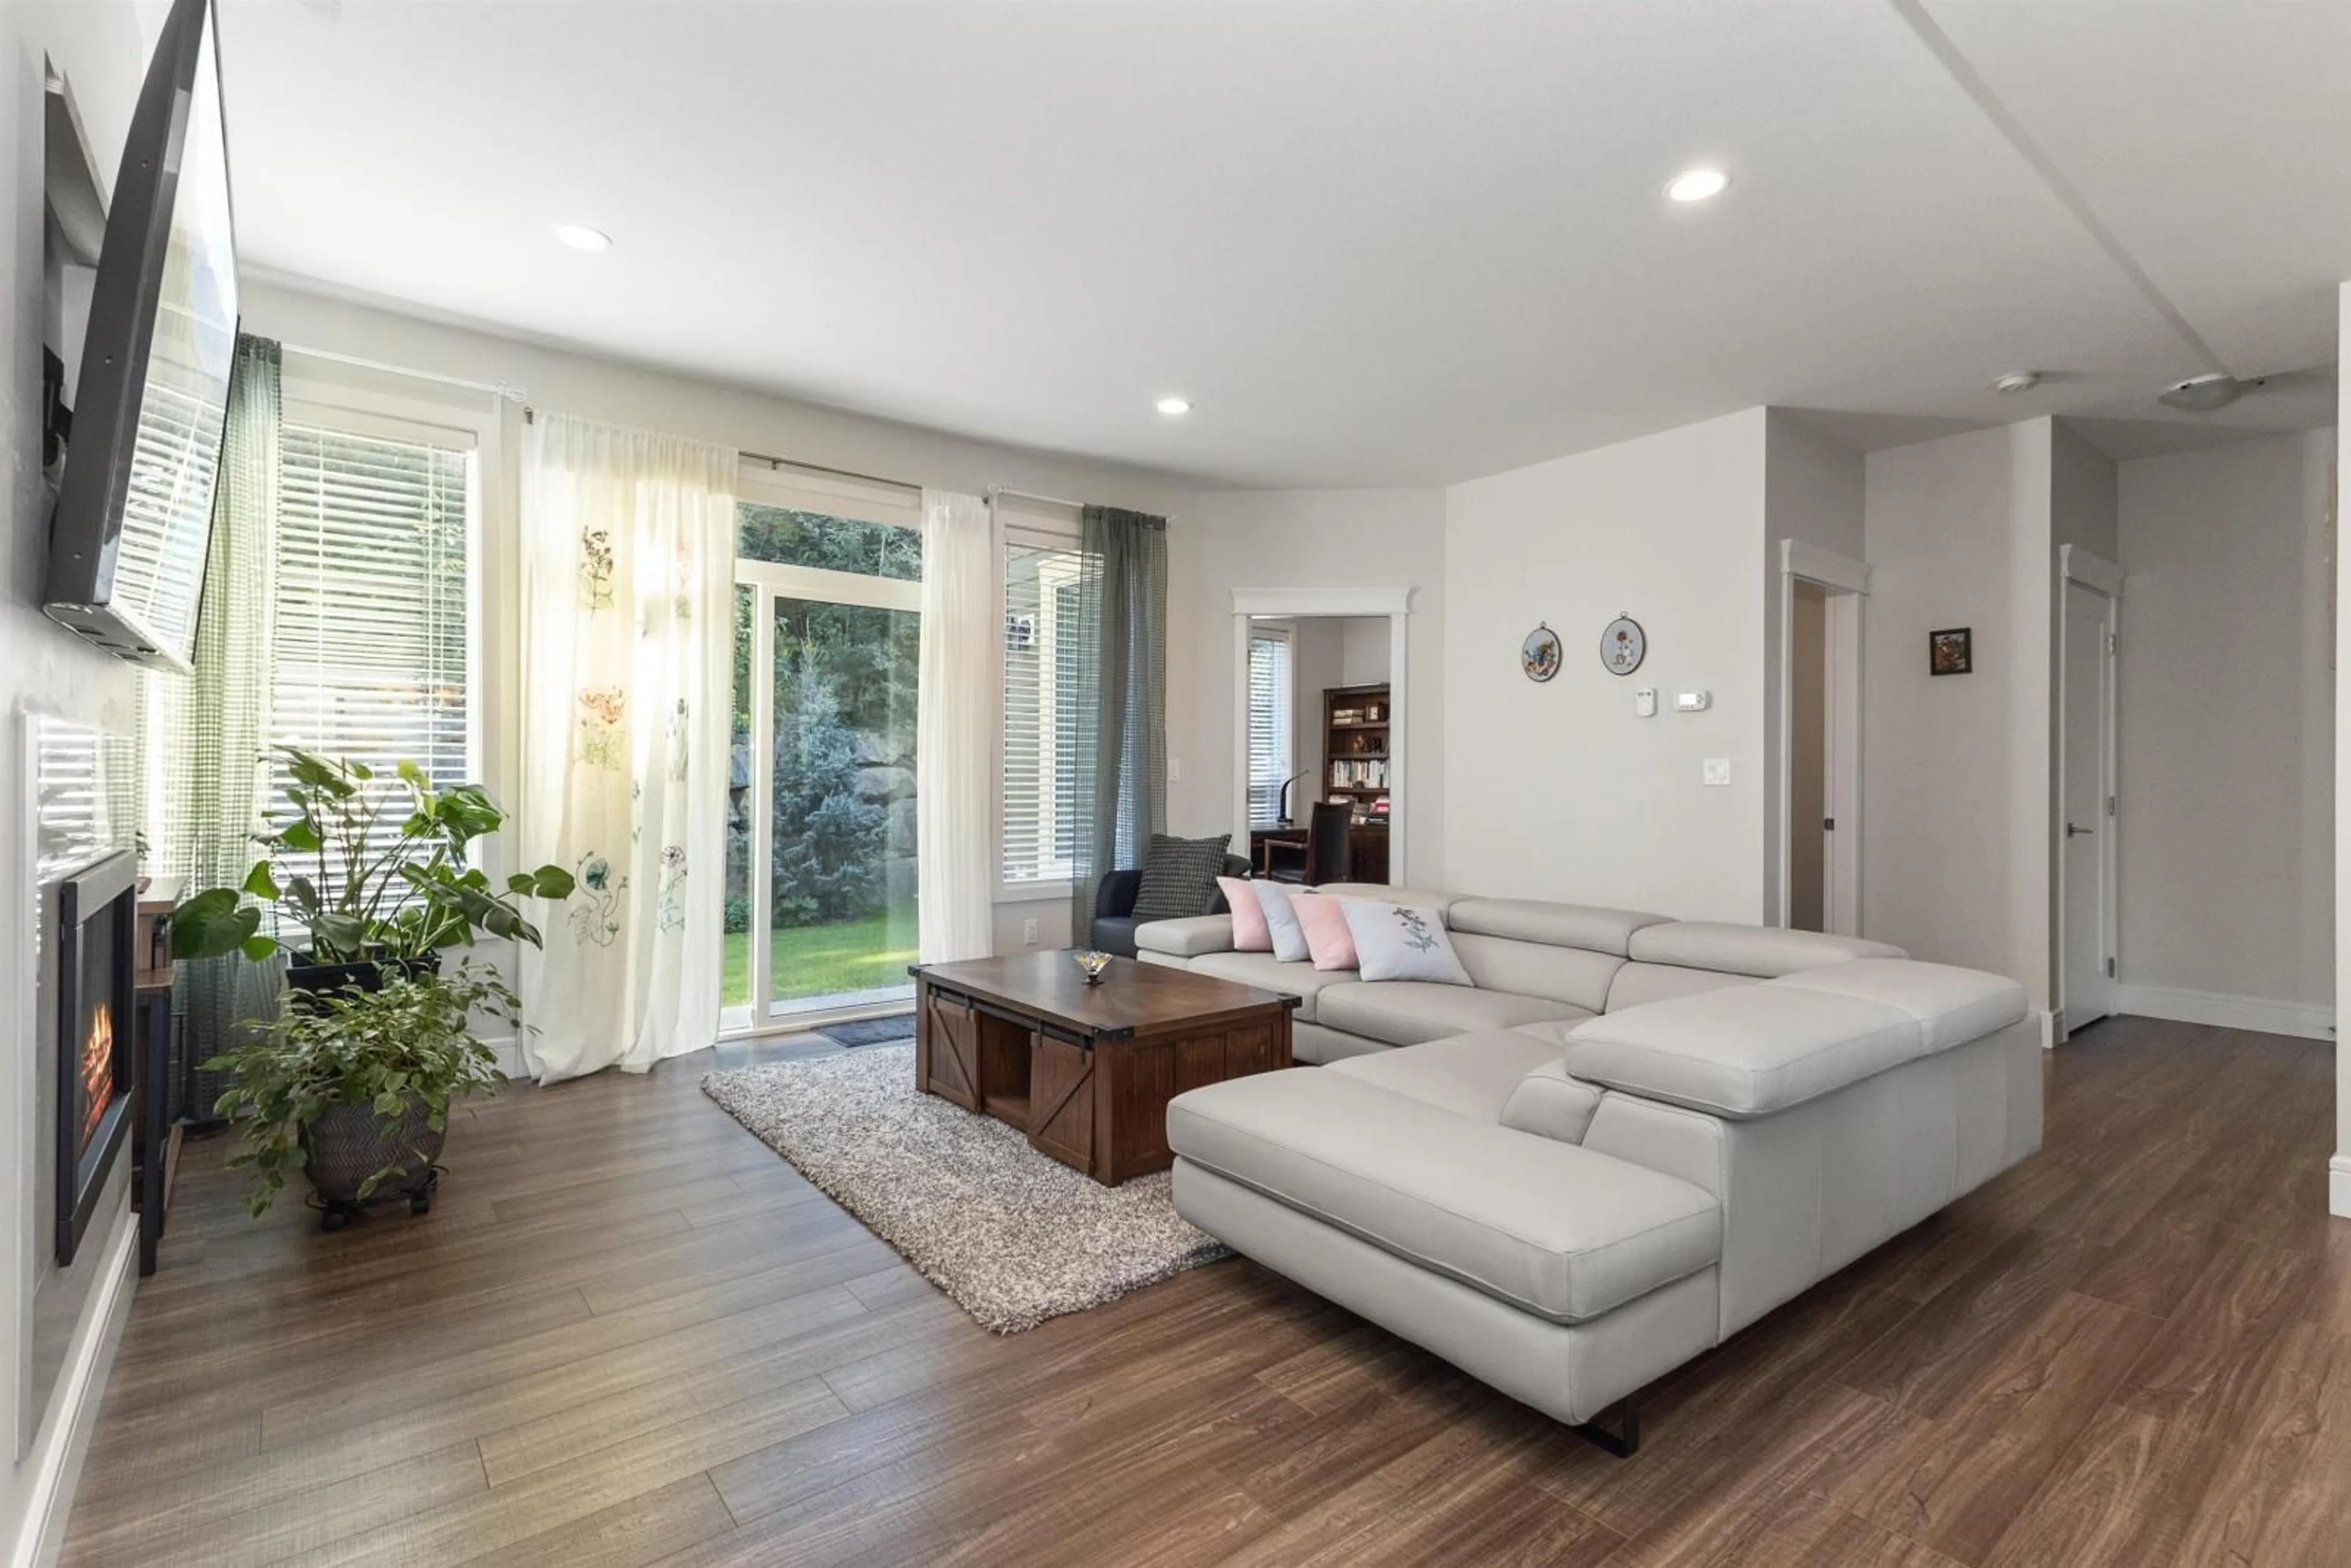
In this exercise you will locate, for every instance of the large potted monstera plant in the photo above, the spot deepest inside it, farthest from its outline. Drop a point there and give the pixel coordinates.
(370, 873)
(370, 880)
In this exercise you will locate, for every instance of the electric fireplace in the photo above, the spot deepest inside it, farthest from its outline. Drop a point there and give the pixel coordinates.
(96, 928)
(73, 1025)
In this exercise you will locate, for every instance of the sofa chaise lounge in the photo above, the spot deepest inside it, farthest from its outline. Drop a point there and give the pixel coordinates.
(1629, 1139)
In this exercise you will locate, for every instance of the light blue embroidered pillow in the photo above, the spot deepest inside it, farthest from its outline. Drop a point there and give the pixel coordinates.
(1401, 942)
(1281, 921)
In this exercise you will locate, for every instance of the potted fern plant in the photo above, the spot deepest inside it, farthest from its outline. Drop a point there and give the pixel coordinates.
(372, 873)
(355, 1090)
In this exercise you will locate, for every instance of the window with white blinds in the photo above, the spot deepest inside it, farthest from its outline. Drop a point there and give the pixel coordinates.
(1270, 728)
(1043, 658)
(373, 647)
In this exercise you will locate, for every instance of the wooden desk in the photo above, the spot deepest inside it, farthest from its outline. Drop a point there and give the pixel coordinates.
(1273, 848)
(1276, 849)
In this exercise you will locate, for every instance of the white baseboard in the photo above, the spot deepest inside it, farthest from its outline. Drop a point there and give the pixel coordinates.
(2306, 1020)
(2338, 1186)
(508, 1051)
(50, 1503)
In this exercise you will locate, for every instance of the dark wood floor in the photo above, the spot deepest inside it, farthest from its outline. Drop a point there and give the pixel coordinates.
(630, 1334)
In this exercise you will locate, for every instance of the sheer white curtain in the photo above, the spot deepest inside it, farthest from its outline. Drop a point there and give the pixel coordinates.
(628, 581)
(961, 683)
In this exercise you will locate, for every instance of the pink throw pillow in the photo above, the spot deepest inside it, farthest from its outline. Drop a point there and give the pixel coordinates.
(1329, 940)
(1251, 934)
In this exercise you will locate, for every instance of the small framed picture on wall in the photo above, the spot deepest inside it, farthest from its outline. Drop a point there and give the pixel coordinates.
(1952, 652)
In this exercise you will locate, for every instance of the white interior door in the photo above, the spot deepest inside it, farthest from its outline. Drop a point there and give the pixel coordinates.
(2086, 793)
(1822, 595)
(1811, 728)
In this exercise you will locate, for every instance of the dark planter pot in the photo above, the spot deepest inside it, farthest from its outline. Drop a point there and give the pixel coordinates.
(348, 1143)
(308, 981)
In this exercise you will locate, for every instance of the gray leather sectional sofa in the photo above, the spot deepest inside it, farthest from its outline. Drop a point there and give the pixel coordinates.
(1631, 1138)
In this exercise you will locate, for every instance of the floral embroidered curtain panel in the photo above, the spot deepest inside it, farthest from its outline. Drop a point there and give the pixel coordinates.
(628, 574)
(959, 691)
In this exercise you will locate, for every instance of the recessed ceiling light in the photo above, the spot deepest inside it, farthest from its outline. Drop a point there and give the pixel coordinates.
(1174, 406)
(1697, 184)
(580, 236)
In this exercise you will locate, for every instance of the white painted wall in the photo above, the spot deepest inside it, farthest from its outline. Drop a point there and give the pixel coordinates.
(1956, 769)
(627, 394)
(2084, 494)
(102, 47)
(2227, 727)
(1558, 791)
(1305, 542)
(1363, 652)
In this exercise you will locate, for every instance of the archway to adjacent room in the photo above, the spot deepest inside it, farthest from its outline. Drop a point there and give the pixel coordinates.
(1370, 775)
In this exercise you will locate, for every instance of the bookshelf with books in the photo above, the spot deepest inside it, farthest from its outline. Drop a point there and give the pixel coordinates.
(1355, 748)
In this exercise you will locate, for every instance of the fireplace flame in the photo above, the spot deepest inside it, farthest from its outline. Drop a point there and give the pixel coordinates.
(97, 1071)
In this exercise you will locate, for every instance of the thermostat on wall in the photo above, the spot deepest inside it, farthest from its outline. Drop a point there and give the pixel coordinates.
(1692, 702)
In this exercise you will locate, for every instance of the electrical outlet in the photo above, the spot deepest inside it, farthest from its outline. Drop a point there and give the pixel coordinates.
(1029, 933)
(1718, 772)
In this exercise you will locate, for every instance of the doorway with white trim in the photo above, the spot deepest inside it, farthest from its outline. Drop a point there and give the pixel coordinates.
(2088, 818)
(1821, 599)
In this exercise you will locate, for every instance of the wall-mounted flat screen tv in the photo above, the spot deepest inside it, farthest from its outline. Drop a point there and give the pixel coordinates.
(134, 508)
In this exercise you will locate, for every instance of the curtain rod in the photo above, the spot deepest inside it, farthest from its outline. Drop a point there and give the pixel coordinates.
(529, 415)
(837, 473)
(507, 390)
(996, 492)
(513, 393)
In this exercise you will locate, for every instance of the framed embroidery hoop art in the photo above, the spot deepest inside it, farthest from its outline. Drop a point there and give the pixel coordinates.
(1622, 646)
(1540, 655)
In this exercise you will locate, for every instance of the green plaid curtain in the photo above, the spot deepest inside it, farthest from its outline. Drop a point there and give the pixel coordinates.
(201, 734)
(1121, 790)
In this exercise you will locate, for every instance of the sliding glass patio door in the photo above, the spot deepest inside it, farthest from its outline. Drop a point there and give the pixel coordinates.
(821, 885)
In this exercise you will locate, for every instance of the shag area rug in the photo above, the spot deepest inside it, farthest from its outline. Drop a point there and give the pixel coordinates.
(1014, 1237)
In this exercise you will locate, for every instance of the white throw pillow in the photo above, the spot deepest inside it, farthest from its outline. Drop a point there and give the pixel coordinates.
(1402, 942)
(1281, 921)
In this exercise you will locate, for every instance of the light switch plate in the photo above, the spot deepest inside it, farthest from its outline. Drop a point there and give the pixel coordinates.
(1028, 932)
(1718, 772)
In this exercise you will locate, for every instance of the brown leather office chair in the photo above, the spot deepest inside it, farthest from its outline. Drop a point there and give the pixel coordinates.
(1327, 838)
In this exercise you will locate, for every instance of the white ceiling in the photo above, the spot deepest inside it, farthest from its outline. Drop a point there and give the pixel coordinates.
(1381, 244)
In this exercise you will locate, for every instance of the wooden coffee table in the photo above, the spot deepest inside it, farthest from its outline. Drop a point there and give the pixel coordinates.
(1087, 1071)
